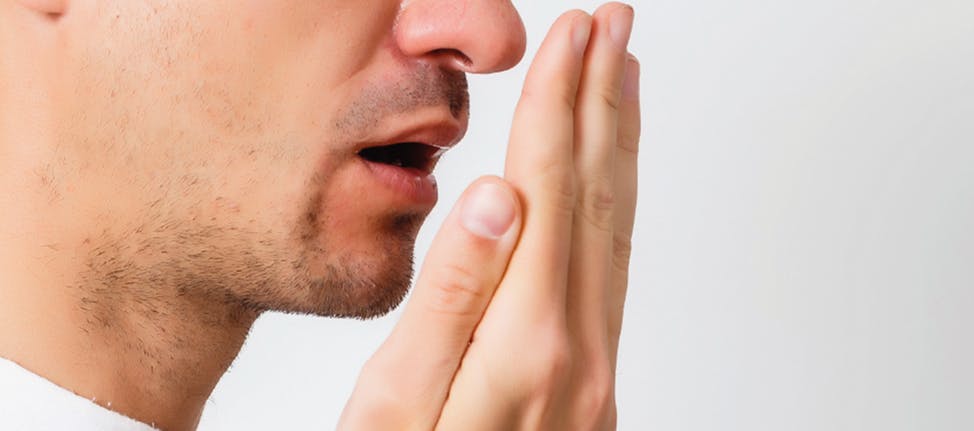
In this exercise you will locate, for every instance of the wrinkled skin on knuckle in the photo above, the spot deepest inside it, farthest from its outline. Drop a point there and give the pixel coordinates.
(458, 291)
(596, 203)
(556, 187)
(629, 141)
(622, 251)
(608, 97)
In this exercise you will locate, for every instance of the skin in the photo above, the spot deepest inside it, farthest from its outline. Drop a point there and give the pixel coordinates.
(529, 342)
(158, 200)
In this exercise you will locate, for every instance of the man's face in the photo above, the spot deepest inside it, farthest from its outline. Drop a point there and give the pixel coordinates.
(242, 150)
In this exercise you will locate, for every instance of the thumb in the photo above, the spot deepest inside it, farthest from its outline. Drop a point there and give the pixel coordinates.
(416, 364)
(462, 269)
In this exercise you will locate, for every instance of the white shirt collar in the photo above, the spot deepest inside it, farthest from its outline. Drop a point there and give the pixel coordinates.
(29, 402)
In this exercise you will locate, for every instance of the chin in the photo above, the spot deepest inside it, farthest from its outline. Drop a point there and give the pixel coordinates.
(337, 281)
(369, 288)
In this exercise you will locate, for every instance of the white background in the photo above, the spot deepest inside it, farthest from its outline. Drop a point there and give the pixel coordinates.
(804, 254)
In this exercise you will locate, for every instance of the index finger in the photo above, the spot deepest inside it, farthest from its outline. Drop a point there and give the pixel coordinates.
(539, 158)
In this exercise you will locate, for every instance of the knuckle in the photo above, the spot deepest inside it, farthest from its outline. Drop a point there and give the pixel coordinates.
(555, 364)
(609, 97)
(547, 387)
(629, 140)
(596, 202)
(459, 291)
(596, 398)
(622, 251)
(550, 363)
(557, 184)
(560, 362)
(546, 374)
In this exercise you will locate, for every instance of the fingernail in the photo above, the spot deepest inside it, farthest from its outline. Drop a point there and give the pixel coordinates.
(581, 31)
(488, 211)
(630, 85)
(620, 25)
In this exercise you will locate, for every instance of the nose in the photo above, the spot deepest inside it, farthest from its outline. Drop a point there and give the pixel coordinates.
(475, 36)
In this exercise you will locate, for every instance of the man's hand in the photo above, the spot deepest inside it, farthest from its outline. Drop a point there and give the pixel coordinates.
(515, 320)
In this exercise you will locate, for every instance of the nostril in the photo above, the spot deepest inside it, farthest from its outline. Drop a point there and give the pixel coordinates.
(453, 54)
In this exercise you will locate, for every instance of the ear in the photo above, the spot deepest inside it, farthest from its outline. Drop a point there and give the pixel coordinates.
(51, 8)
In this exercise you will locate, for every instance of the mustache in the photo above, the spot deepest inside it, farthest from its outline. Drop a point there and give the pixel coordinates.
(425, 86)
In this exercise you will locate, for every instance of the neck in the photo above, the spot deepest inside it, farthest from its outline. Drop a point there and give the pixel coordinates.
(79, 303)
(137, 342)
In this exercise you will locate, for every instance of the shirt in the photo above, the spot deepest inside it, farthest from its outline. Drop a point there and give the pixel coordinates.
(29, 402)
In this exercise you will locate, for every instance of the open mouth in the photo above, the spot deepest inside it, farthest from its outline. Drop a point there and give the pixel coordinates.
(409, 155)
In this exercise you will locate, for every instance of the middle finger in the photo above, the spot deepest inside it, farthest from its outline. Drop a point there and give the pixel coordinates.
(539, 164)
(596, 130)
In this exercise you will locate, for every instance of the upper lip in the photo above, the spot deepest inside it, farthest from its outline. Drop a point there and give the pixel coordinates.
(442, 132)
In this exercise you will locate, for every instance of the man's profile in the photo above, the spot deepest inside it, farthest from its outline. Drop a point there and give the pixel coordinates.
(173, 169)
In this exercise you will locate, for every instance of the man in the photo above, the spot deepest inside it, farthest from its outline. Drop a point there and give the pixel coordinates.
(173, 169)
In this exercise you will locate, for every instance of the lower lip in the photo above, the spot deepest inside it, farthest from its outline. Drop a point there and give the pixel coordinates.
(413, 185)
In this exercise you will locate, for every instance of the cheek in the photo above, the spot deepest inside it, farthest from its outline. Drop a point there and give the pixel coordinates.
(227, 104)
(158, 86)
